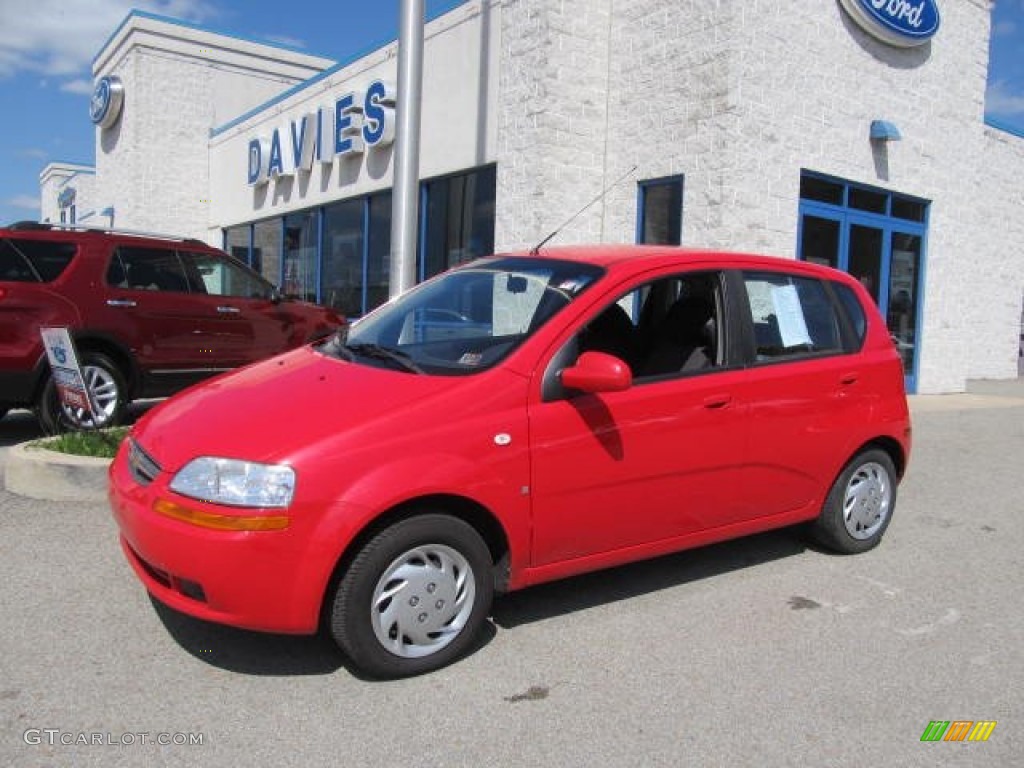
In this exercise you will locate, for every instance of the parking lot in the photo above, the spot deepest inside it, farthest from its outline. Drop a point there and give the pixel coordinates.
(764, 651)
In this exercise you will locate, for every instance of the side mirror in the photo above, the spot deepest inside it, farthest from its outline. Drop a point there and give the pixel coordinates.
(597, 372)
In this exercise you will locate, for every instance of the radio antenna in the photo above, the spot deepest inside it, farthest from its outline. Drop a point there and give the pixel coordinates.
(536, 249)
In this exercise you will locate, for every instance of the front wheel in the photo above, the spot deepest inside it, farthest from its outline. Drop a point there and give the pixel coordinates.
(414, 598)
(860, 504)
(109, 394)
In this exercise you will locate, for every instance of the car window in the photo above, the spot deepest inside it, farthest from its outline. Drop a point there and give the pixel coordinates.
(791, 316)
(219, 276)
(466, 320)
(147, 269)
(667, 327)
(33, 261)
(854, 311)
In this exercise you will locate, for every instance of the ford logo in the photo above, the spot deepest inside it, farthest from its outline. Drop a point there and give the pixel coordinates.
(902, 23)
(105, 105)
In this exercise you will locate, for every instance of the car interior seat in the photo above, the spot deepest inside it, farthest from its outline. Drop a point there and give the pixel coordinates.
(685, 339)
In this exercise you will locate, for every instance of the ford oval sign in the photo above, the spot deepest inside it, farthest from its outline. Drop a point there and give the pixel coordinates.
(902, 23)
(105, 105)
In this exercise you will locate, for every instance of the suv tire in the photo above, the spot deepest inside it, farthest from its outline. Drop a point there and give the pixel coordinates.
(109, 389)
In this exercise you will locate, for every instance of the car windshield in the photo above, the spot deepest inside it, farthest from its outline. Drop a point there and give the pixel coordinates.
(466, 320)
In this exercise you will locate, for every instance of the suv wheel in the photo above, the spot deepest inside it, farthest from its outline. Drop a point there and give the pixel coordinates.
(106, 382)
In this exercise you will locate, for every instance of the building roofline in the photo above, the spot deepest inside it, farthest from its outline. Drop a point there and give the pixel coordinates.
(338, 66)
(137, 14)
(1005, 127)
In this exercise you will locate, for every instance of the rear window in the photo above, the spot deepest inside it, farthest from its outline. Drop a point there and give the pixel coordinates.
(854, 311)
(793, 316)
(33, 261)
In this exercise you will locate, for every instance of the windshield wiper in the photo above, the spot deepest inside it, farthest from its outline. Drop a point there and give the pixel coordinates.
(378, 352)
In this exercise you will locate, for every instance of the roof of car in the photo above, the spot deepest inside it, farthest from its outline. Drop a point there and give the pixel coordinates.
(611, 256)
(62, 232)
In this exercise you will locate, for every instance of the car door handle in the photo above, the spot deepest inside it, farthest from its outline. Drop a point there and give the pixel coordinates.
(849, 378)
(120, 303)
(717, 401)
(228, 310)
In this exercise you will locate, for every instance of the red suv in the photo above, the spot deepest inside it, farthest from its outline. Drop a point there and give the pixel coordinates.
(517, 420)
(149, 316)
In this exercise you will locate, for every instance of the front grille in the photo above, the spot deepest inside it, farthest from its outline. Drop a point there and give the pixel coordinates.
(142, 466)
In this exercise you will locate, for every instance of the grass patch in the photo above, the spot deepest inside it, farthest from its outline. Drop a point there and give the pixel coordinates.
(101, 443)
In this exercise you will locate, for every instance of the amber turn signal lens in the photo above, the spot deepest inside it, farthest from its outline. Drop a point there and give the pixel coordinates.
(220, 522)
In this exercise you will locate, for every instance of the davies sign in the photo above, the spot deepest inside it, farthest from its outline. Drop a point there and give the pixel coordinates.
(347, 126)
(902, 23)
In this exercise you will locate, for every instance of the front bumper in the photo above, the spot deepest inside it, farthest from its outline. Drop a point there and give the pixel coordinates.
(250, 579)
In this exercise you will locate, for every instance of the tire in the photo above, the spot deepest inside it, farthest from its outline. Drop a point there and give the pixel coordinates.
(107, 384)
(859, 505)
(414, 599)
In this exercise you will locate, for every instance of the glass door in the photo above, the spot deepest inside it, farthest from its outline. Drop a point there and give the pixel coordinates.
(902, 305)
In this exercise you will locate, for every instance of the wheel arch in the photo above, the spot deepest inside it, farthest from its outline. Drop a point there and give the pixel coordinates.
(891, 446)
(471, 512)
(86, 342)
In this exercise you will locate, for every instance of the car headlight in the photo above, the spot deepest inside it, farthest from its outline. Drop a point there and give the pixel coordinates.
(236, 483)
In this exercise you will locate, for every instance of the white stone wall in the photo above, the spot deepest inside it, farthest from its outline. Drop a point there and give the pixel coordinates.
(153, 164)
(993, 266)
(740, 97)
(55, 178)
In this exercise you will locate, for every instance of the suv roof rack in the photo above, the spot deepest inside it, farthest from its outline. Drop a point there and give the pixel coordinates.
(43, 225)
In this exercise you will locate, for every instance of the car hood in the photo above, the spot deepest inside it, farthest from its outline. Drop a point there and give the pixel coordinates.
(276, 410)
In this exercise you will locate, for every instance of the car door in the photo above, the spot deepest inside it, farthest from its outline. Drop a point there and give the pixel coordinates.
(241, 315)
(659, 460)
(808, 394)
(146, 303)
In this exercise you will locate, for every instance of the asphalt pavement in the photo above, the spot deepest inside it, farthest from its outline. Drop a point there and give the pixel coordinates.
(760, 652)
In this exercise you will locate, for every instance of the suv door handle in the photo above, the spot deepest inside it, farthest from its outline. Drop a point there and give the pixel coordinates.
(228, 310)
(849, 378)
(120, 303)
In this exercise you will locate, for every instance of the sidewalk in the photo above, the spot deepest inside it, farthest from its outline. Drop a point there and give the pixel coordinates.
(981, 393)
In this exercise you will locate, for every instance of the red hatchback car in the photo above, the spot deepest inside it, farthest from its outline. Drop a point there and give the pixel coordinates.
(150, 315)
(516, 420)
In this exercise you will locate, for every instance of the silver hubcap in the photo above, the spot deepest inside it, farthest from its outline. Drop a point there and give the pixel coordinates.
(422, 600)
(867, 501)
(104, 397)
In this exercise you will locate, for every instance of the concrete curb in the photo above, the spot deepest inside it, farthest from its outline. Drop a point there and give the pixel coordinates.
(33, 471)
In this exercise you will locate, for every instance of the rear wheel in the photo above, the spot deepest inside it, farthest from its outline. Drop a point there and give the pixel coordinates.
(107, 385)
(860, 504)
(414, 598)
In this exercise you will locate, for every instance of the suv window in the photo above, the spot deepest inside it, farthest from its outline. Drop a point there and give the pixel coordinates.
(148, 269)
(792, 316)
(33, 261)
(218, 276)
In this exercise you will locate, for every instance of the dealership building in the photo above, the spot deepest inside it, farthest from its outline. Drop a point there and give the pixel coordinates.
(845, 132)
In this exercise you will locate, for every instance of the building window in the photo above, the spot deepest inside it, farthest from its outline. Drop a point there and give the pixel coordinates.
(378, 251)
(342, 273)
(301, 244)
(878, 237)
(459, 220)
(238, 242)
(340, 254)
(266, 249)
(660, 211)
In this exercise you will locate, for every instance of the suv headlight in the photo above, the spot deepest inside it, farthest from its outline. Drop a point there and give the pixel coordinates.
(236, 483)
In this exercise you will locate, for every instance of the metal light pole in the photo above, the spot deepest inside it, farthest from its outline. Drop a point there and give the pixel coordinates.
(405, 193)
